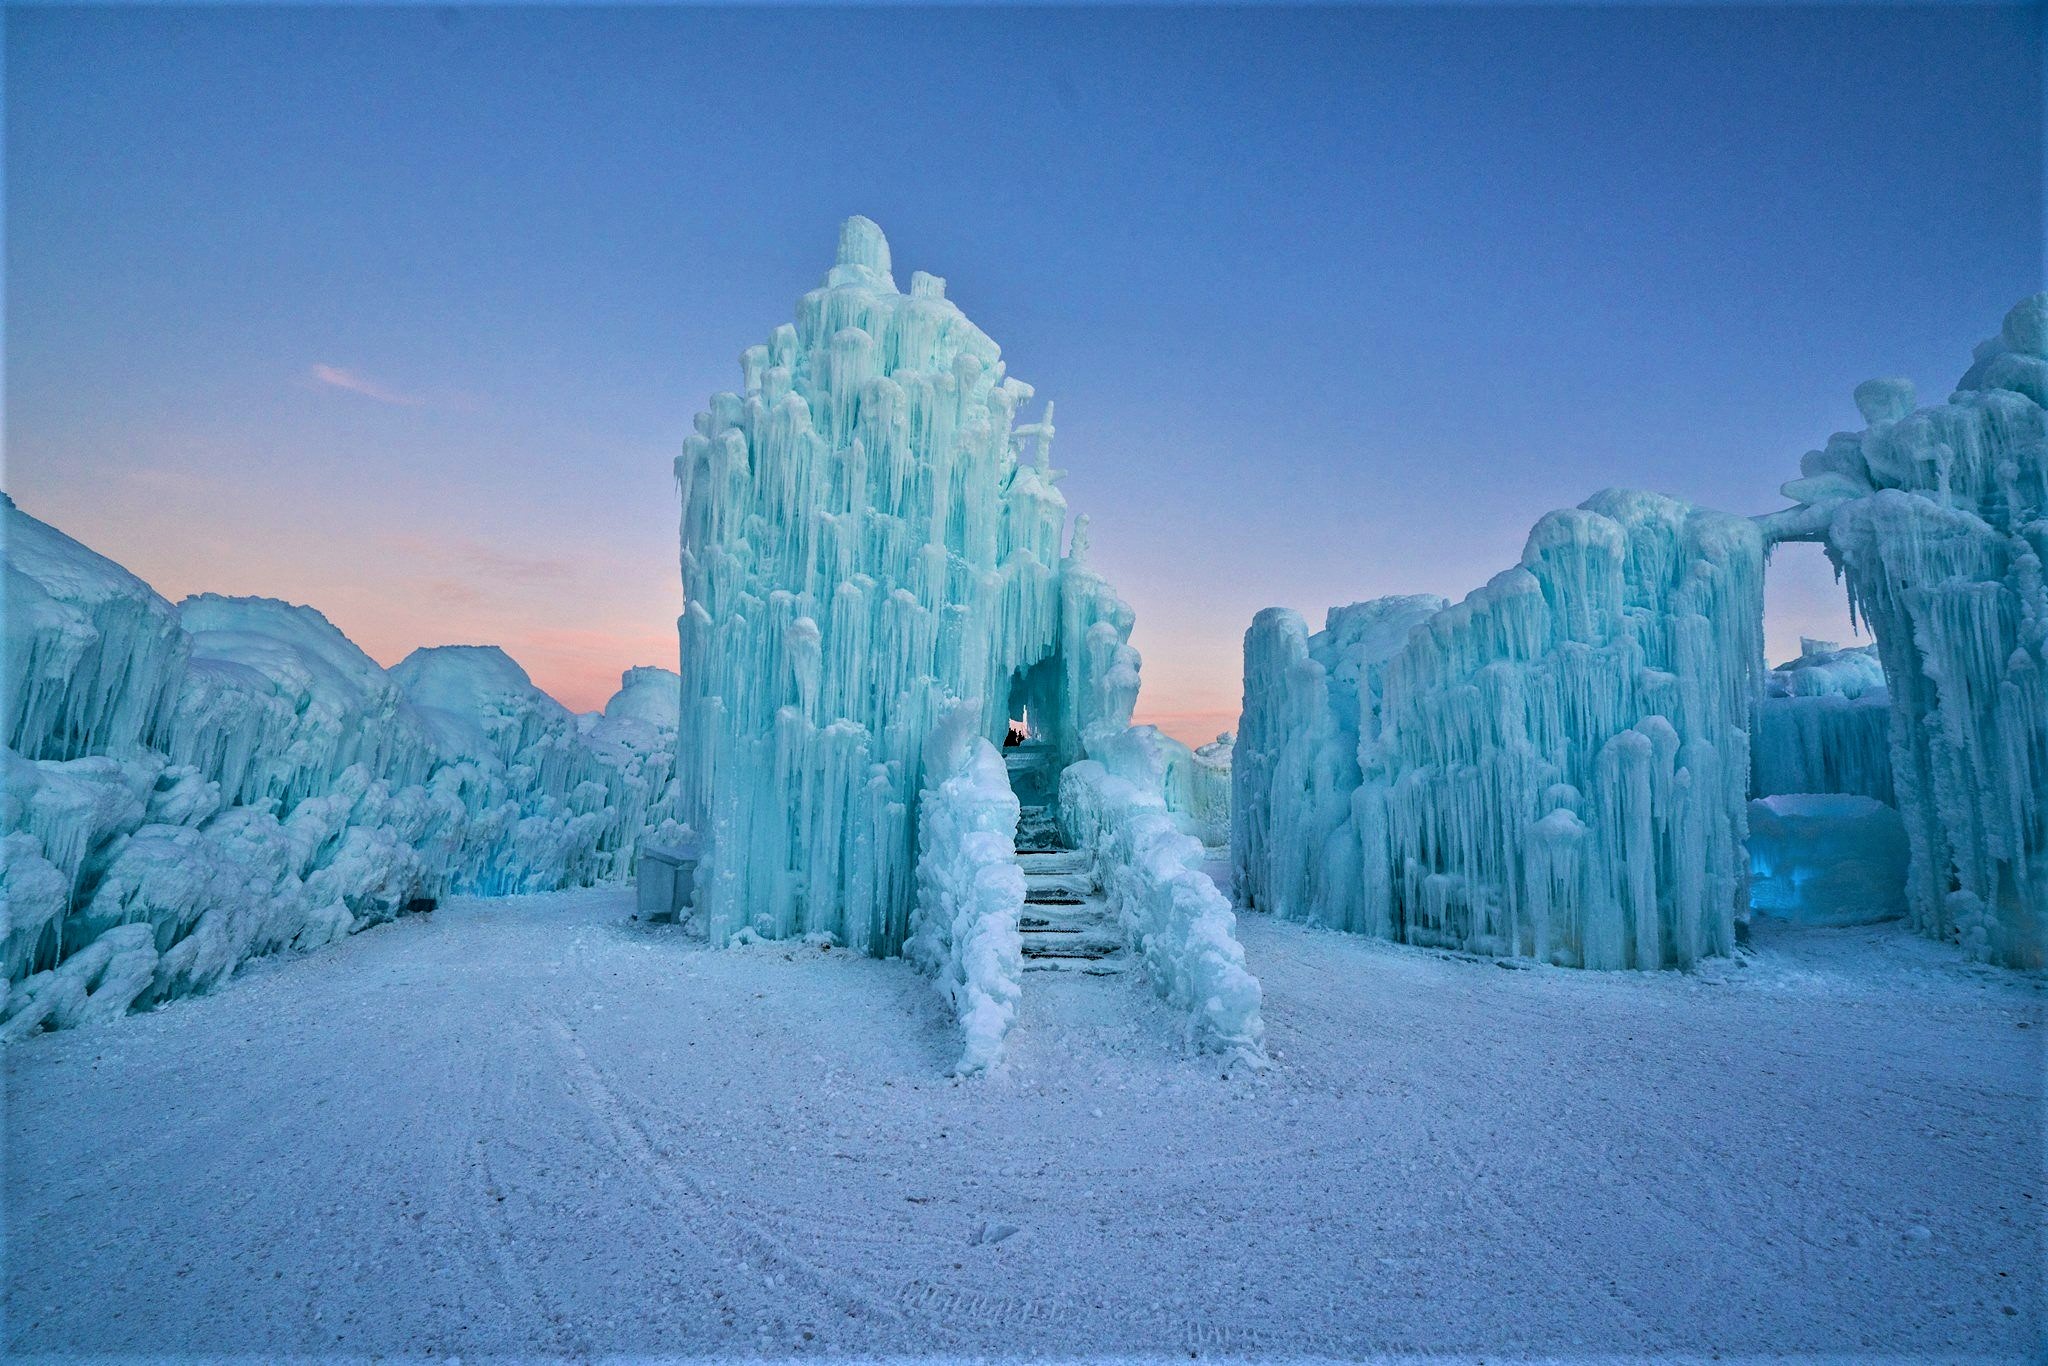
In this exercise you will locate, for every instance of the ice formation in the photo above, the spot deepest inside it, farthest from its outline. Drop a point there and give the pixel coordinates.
(864, 547)
(1824, 725)
(1555, 767)
(1295, 766)
(1938, 519)
(970, 891)
(1180, 926)
(187, 787)
(1826, 859)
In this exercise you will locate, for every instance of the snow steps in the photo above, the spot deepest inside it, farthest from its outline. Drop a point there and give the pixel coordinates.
(1066, 927)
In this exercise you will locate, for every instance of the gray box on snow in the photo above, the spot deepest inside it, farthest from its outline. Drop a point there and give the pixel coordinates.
(667, 881)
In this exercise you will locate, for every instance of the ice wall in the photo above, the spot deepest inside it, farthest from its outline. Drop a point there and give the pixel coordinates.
(1824, 726)
(1938, 519)
(1562, 766)
(869, 538)
(243, 779)
(1555, 767)
(1307, 701)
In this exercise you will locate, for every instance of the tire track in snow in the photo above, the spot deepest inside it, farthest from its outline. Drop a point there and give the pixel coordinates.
(743, 1245)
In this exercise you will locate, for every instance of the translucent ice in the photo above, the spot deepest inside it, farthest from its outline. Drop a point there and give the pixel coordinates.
(1826, 859)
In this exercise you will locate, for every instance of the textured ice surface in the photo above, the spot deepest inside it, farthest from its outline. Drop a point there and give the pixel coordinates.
(868, 539)
(1938, 519)
(188, 787)
(1824, 725)
(1826, 859)
(1555, 767)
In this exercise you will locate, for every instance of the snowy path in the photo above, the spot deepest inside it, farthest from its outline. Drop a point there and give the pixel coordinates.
(527, 1126)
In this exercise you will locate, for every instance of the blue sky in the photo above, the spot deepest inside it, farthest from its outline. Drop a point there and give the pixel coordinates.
(404, 313)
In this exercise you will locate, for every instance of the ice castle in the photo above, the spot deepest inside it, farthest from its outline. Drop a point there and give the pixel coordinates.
(870, 538)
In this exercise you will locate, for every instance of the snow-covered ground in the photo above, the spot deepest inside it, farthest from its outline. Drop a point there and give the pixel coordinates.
(531, 1126)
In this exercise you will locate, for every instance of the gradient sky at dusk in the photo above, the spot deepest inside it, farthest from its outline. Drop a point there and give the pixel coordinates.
(404, 313)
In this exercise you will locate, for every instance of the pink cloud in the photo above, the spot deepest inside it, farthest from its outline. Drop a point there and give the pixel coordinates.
(338, 378)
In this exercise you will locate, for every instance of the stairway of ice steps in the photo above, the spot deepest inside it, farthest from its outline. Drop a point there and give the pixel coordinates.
(1037, 831)
(1066, 926)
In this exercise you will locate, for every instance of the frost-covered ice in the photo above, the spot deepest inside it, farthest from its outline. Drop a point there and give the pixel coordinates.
(528, 1128)
(188, 787)
(869, 538)
(1824, 725)
(1938, 519)
(970, 891)
(1555, 767)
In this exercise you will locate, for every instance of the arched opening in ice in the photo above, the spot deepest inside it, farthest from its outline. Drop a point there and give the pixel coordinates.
(1937, 517)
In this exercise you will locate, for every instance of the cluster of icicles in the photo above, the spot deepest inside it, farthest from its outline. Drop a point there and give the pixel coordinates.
(189, 786)
(1556, 766)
